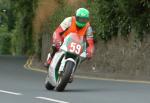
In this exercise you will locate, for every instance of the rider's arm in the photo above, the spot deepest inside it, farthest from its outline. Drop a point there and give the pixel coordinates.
(90, 41)
(62, 27)
(66, 23)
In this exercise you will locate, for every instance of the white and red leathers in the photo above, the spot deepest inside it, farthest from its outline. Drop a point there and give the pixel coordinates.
(67, 23)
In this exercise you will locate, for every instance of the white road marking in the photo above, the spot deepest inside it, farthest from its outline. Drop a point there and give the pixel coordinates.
(9, 92)
(50, 99)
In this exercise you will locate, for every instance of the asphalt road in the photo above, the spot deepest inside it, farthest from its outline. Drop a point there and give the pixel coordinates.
(18, 85)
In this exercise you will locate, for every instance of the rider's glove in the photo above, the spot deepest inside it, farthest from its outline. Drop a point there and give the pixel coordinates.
(57, 41)
(58, 44)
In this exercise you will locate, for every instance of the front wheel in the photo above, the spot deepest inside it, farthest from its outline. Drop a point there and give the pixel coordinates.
(64, 77)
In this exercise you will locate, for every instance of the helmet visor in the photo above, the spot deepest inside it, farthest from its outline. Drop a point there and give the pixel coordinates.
(82, 19)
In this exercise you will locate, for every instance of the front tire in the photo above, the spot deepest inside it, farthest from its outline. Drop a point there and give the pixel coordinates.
(64, 77)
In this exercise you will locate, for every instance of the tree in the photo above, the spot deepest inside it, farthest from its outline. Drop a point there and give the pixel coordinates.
(25, 13)
(111, 17)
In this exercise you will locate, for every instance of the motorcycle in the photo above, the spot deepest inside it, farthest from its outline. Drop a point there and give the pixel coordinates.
(64, 63)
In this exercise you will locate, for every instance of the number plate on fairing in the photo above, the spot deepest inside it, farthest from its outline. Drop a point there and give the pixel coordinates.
(75, 48)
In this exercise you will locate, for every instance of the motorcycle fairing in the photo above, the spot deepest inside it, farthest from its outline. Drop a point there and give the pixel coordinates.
(53, 67)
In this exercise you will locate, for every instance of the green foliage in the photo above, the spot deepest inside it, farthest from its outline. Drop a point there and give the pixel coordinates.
(6, 12)
(108, 18)
(59, 16)
(5, 44)
(25, 10)
(5, 41)
(17, 40)
(113, 17)
(18, 19)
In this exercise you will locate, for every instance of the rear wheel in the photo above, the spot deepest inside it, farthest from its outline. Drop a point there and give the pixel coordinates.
(64, 77)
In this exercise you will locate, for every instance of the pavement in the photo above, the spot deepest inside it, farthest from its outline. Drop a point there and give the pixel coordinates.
(21, 84)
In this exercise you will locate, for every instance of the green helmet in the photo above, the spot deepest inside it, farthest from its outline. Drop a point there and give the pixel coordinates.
(82, 17)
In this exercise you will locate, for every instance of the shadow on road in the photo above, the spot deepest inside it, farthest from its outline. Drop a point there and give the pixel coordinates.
(84, 90)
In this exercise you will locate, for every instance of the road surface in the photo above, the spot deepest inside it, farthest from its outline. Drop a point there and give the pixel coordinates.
(18, 85)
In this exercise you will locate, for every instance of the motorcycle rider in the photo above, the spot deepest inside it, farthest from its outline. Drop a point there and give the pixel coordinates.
(77, 24)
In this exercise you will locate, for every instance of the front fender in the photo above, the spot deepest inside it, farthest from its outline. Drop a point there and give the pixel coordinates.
(71, 59)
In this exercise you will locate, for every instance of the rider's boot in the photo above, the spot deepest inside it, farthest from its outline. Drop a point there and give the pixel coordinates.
(48, 61)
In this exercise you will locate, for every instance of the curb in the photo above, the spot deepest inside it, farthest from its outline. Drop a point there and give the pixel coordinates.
(29, 67)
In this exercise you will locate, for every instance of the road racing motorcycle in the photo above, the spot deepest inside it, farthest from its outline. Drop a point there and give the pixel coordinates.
(64, 63)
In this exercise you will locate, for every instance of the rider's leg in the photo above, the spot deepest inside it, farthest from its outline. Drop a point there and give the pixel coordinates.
(50, 56)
